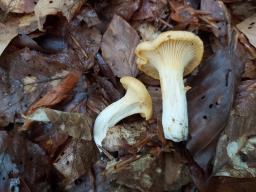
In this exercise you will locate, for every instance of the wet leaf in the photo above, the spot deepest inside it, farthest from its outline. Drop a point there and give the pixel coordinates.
(76, 125)
(209, 104)
(118, 45)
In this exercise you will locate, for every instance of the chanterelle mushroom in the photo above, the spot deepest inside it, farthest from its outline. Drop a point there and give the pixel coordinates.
(170, 56)
(136, 100)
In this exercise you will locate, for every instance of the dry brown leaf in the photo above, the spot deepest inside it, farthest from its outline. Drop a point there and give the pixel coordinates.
(248, 28)
(118, 45)
(45, 7)
(18, 6)
(13, 27)
(58, 94)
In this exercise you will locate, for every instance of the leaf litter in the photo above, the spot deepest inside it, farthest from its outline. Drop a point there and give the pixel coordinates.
(60, 64)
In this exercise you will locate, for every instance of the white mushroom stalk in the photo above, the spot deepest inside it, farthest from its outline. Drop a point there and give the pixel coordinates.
(167, 58)
(136, 100)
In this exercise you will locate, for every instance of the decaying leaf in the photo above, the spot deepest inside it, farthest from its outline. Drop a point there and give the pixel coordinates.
(150, 10)
(67, 7)
(76, 159)
(124, 8)
(22, 162)
(89, 16)
(236, 149)
(76, 125)
(209, 103)
(118, 45)
(218, 14)
(58, 94)
(119, 137)
(250, 70)
(85, 42)
(176, 174)
(18, 6)
(137, 173)
(248, 27)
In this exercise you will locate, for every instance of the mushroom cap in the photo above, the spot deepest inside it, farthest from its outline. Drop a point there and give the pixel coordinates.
(181, 36)
(139, 91)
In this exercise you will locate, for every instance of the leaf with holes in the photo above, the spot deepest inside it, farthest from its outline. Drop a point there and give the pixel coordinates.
(209, 104)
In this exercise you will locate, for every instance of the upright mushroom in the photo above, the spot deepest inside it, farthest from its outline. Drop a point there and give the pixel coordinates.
(136, 100)
(168, 57)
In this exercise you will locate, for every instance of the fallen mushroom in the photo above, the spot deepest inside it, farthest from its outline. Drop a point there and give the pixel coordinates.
(170, 56)
(136, 100)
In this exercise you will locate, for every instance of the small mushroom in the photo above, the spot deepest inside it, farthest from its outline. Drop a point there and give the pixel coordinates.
(170, 56)
(136, 100)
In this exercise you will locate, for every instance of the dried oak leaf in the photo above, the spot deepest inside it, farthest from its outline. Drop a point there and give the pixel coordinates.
(22, 162)
(248, 28)
(209, 104)
(58, 94)
(77, 125)
(236, 150)
(76, 159)
(118, 45)
(20, 6)
(67, 7)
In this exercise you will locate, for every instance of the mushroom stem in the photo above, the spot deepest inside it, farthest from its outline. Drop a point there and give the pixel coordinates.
(174, 117)
(113, 114)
